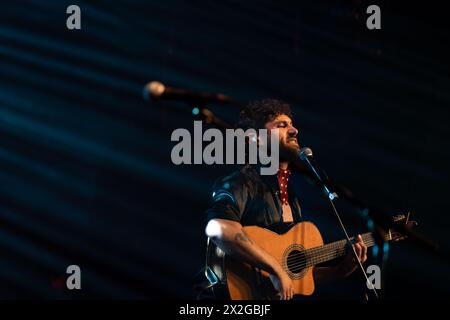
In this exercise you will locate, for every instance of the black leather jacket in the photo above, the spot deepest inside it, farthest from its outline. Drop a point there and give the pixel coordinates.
(252, 199)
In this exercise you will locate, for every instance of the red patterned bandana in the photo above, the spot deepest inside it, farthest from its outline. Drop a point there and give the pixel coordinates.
(283, 177)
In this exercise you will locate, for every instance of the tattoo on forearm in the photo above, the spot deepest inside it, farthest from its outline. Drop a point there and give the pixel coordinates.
(241, 236)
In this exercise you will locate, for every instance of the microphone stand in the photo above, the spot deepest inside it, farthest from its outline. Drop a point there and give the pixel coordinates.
(350, 244)
(332, 196)
(209, 117)
(382, 255)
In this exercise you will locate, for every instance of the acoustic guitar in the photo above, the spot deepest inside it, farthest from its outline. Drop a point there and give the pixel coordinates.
(298, 250)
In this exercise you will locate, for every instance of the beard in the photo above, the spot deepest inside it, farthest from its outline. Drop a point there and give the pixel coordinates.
(289, 149)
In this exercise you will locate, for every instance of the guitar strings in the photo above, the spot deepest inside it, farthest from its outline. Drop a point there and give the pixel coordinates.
(366, 238)
(306, 261)
(317, 258)
(327, 247)
(311, 262)
(313, 251)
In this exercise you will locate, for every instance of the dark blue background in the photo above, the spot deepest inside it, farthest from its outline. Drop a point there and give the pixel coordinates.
(85, 171)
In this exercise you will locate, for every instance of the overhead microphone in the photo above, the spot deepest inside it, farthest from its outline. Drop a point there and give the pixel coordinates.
(158, 91)
(306, 155)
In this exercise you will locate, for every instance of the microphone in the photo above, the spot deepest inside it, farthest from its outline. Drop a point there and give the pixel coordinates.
(306, 155)
(158, 91)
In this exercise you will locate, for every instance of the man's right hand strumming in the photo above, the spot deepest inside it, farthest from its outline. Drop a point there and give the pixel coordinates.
(230, 237)
(283, 284)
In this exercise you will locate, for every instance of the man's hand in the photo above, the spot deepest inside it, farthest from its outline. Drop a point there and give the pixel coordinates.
(231, 238)
(283, 284)
(349, 264)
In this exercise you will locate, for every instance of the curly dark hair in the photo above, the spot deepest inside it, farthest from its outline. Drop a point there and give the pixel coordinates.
(257, 113)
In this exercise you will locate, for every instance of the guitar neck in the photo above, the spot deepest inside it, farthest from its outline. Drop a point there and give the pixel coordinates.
(337, 249)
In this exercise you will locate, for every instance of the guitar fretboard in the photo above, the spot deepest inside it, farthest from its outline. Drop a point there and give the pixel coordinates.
(336, 249)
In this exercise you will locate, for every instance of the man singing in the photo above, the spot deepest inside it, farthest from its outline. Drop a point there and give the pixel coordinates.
(247, 198)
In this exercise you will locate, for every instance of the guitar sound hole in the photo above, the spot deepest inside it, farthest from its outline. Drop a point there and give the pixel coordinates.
(296, 261)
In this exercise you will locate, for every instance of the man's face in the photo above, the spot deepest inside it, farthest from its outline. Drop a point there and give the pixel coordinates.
(287, 135)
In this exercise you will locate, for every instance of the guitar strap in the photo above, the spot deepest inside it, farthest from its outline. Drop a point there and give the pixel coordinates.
(206, 278)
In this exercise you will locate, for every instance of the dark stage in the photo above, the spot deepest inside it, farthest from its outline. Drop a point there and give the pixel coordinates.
(86, 176)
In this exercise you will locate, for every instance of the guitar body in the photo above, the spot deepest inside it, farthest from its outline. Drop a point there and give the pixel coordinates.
(297, 250)
(244, 282)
